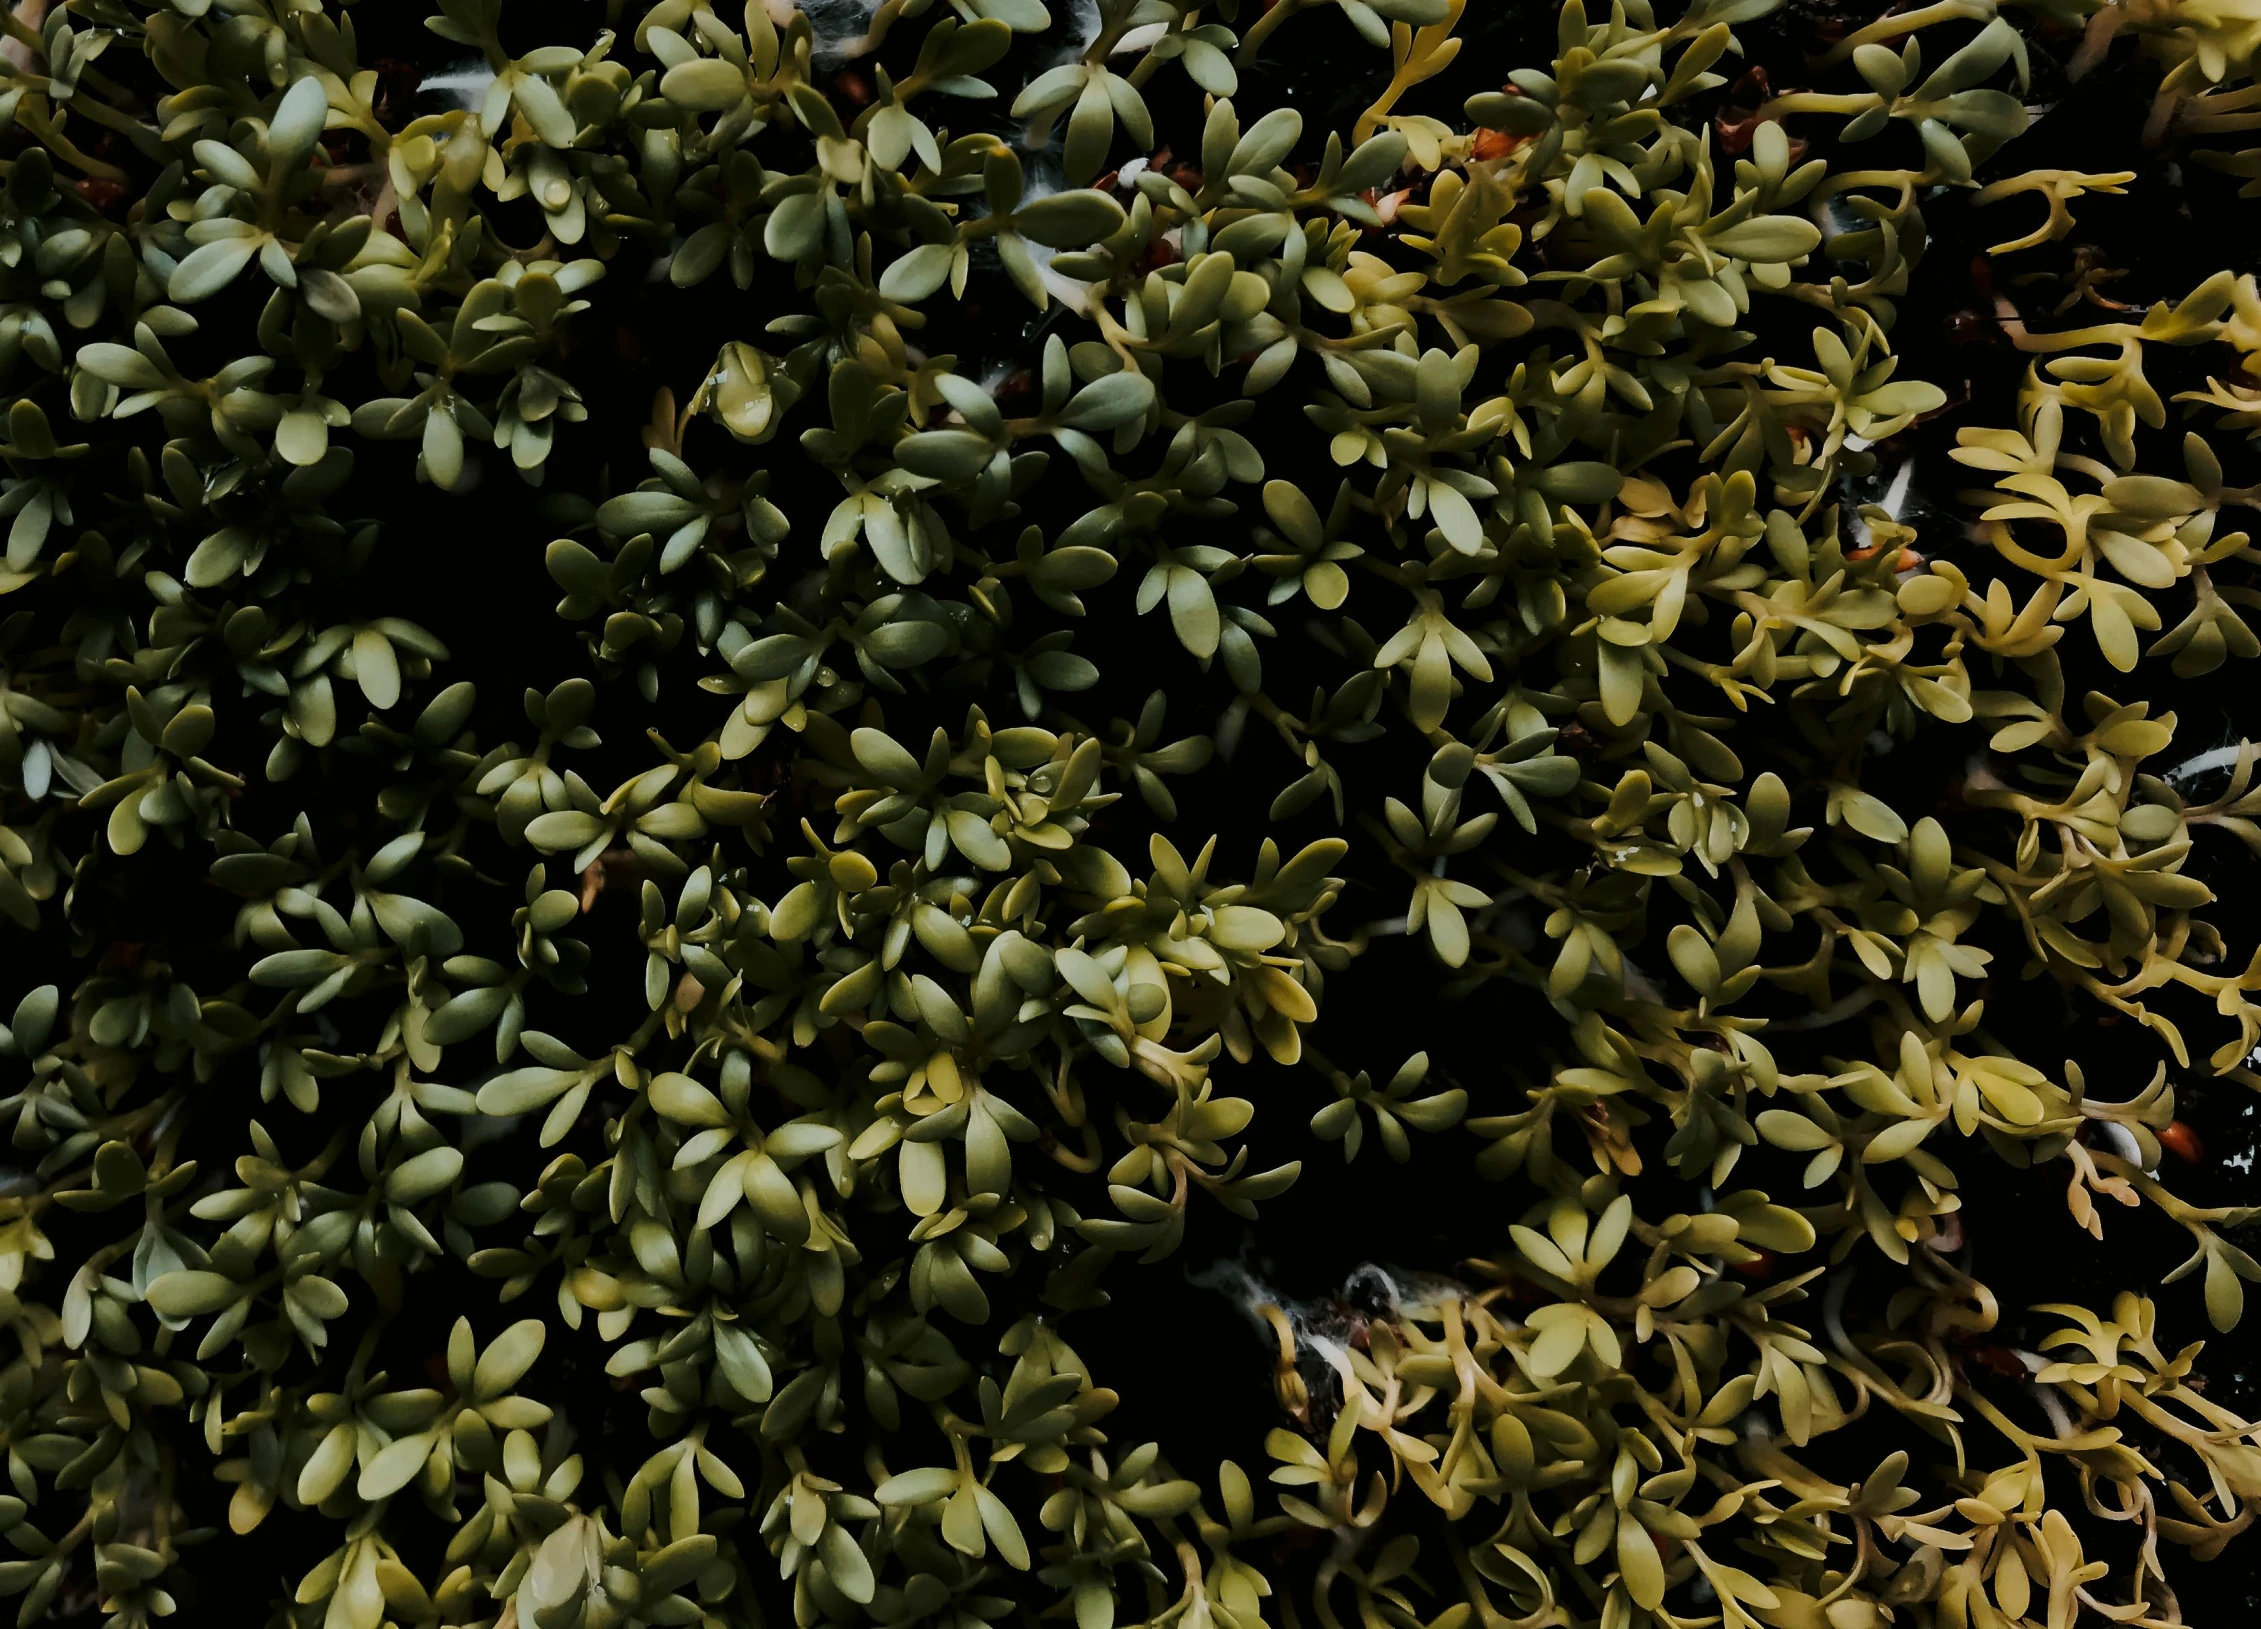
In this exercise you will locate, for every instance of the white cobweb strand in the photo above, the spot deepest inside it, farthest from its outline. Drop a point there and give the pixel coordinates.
(463, 86)
(1324, 1327)
(1896, 495)
(1082, 29)
(2221, 757)
(1894, 501)
(839, 27)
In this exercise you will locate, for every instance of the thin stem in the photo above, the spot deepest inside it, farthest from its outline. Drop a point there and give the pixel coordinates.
(1261, 30)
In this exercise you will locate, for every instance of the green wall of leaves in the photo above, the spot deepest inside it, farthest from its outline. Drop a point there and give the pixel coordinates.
(715, 723)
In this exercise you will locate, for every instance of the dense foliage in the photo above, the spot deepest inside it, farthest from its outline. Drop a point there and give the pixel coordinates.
(1147, 594)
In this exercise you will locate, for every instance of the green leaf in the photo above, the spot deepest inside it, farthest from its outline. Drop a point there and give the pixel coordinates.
(1768, 238)
(296, 127)
(424, 1175)
(393, 1467)
(1069, 220)
(742, 1363)
(188, 1294)
(1639, 1563)
(521, 1090)
(922, 1486)
(1106, 403)
(914, 276)
(507, 1358)
(207, 270)
(120, 365)
(945, 455)
(704, 85)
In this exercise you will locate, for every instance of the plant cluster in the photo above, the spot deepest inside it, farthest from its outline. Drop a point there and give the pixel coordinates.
(627, 1123)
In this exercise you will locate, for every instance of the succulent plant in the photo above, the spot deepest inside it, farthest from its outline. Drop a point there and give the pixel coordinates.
(658, 820)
